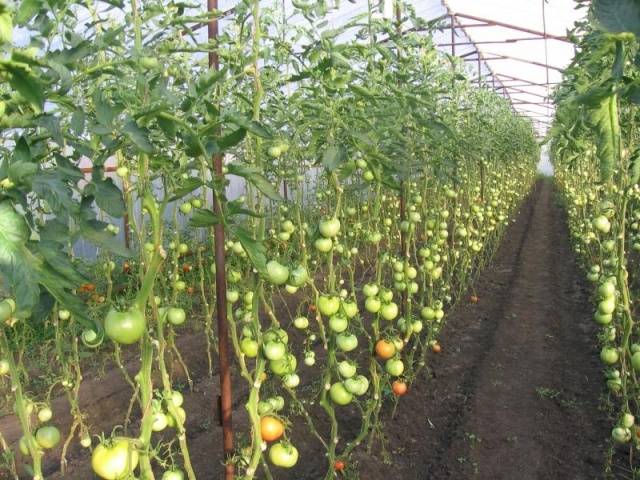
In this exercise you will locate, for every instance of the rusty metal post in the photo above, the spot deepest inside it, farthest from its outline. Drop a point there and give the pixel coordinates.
(221, 288)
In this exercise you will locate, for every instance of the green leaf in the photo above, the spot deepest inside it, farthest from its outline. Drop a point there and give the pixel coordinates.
(22, 80)
(138, 135)
(333, 157)
(231, 139)
(256, 250)
(21, 172)
(203, 218)
(94, 231)
(27, 9)
(186, 187)
(77, 122)
(16, 260)
(105, 112)
(53, 188)
(6, 25)
(617, 16)
(108, 196)
(634, 168)
(255, 177)
(55, 256)
(607, 129)
(256, 128)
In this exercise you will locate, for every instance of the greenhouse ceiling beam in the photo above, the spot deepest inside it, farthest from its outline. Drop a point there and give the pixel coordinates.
(529, 84)
(495, 23)
(497, 56)
(489, 42)
(455, 24)
(525, 92)
(518, 79)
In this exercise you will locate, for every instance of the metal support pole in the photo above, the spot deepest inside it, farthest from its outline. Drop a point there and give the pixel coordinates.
(221, 287)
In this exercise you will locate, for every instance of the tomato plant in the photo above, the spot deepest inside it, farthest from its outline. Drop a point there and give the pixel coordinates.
(376, 181)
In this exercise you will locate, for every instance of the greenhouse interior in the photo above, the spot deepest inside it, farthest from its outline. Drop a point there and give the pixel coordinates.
(319, 239)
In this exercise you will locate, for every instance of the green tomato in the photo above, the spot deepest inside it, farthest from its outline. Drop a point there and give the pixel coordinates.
(428, 313)
(340, 395)
(173, 475)
(328, 305)
(283, 454)
(115, 461)
(350, 308)
(346, 342)
(125, 327)
(176, 398)
(64, 315)
(45, 414)
(338, 323)
(276, 334)
(370, 290)
(24, 446)
(274, 350)
(301, 323)
(48, 436)
(7, 308)
(329, 228)
(607, 306)
(621, 434)
(4, 367)
(609, 355)
(347, 369)
(323, 245)
(284, 366)
(372, 304)
(603, 318)
(394, 367)
(249, 347)
(176, 315)
(607, 289)
(299, 276)
(291, 380)
(389, 311)
(276, 273)
(635, 361)
(160, 422)
(186, 208)
(602, 224)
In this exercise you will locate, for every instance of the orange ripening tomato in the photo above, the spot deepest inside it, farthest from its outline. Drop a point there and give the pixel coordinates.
(190, 290)
(312, 308)
(186, 268)
(126, 267)
(339, 466)
(399, 388)
(436, 348)
(87, 287)
(271, 428)
(385, 349)
(473, 299)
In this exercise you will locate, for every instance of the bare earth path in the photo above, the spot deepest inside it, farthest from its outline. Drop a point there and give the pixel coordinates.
(515, 393)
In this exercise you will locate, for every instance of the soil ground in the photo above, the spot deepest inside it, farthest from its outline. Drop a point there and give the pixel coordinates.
(514, 394)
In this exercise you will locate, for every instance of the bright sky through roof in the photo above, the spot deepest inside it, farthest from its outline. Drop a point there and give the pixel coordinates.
(559, 16)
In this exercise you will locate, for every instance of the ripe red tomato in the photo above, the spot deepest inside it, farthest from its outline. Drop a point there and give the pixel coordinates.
(339, 466)
(385, 349)
(399, 388)
(271, 428)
